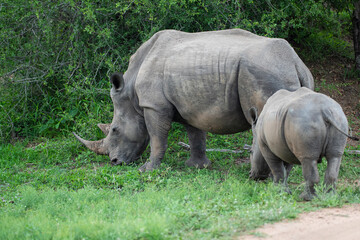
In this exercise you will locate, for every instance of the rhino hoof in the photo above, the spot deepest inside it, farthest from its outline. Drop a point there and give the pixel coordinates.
(306, 196)
(198, 163)
(259, 176)
(287, 190)
(142, 168)
(149, 166)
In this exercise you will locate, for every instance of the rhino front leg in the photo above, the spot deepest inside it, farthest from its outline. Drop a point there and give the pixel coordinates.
(158, 127)
(197, 140)
(259, 168)
(279, 170)
(311, 175)
(288, 167)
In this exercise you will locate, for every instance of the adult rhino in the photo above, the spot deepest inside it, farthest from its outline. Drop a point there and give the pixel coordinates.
(299, 127)
(206, 81)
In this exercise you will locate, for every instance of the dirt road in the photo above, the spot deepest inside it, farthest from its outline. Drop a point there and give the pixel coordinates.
(330, 224)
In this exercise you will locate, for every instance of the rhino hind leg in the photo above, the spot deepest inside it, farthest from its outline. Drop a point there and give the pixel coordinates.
(158, 126)
(332, 172)
(311, 175)
(197, 140)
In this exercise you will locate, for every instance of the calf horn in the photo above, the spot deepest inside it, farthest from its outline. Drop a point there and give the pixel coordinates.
(96, 146)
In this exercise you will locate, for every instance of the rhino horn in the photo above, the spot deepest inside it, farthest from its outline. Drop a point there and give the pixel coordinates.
(104, 127)
(95, 146)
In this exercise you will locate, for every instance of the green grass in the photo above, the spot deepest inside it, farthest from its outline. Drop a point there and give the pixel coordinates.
(56, 189)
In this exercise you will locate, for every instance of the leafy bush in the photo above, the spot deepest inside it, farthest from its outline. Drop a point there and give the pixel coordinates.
(56, 55)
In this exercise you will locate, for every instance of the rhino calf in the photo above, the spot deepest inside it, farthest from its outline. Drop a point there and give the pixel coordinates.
(298, 127)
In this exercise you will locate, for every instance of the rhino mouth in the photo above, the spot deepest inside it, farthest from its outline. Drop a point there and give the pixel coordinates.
(116, 161)
(123, 161)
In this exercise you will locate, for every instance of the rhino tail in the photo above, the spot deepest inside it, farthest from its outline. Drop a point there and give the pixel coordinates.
(328, 119)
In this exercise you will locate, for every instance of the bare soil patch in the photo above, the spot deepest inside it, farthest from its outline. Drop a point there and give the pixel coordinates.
(330, 224)
(334, 77)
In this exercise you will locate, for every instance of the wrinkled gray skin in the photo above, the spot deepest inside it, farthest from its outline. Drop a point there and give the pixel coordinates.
(299, 127)
(206, 81)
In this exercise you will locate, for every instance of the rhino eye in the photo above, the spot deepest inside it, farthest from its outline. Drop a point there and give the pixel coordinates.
(114, 129)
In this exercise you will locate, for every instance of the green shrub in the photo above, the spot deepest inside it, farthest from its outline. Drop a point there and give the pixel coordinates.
(56, 56)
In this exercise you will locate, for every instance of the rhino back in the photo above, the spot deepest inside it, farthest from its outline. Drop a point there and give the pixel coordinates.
(206, 75)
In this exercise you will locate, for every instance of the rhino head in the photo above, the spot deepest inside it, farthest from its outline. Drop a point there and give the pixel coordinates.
(127, 136)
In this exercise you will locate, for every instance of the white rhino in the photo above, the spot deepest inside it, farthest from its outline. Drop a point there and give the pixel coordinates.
(206, 81)
(298, 127)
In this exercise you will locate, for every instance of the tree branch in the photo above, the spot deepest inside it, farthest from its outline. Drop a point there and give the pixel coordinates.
(246, 147)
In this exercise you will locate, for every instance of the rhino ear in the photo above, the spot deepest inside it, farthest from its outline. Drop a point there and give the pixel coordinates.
(253, 115)
(117, 81)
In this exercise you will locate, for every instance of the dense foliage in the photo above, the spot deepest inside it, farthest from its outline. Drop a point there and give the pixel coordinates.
(55, 56)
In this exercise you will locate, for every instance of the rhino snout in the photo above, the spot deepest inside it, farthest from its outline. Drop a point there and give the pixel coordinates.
(116, 161)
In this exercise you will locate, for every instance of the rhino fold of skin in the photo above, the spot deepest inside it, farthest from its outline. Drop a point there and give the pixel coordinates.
(299, 127)
(206, 81)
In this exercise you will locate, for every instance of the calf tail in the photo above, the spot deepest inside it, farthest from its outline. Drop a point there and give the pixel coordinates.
(328, 119)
